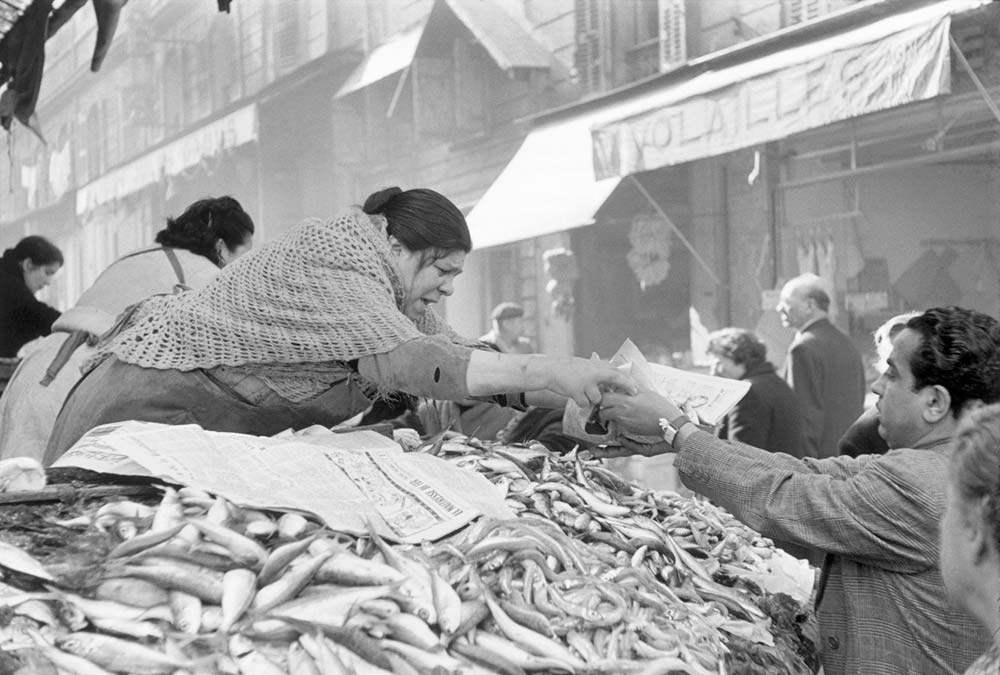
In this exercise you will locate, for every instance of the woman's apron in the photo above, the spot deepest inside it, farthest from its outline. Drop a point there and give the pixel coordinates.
(116, 391)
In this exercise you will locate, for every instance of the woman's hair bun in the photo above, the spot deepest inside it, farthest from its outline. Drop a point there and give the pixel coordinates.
(377, 201)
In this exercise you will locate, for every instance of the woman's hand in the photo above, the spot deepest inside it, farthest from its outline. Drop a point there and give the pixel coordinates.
(638, 414)
(582, 380)
(585, 380)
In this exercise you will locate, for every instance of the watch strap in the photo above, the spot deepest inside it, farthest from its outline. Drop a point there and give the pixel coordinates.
(671, 427)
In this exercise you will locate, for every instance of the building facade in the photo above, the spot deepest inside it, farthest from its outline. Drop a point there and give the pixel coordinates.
(631, 168)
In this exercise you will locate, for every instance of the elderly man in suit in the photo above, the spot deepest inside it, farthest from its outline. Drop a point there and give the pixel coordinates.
(881, 600)
(822, 366)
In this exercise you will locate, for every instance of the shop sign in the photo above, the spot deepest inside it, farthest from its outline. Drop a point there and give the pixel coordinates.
(772, 98)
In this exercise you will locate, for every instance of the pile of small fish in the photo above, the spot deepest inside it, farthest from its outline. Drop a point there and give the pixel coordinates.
(593, 576)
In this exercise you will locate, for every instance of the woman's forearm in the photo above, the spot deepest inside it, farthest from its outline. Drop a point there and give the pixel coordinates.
(492, 372)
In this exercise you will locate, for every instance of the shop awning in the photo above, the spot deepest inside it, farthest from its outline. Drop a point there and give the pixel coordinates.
(567, 167)
(547, 187)
(508, 43)
(897, 60)
(225, 133)
(387, 59)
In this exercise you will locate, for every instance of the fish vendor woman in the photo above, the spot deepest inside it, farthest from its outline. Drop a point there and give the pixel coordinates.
(315, 328)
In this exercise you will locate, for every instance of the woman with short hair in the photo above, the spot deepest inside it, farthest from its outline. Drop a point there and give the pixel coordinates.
(768, 416)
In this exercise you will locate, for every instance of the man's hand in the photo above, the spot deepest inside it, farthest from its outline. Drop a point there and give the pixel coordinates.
(638, 414)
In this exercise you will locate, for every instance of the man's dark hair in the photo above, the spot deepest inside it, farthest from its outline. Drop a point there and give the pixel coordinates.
(960, 351)
(738, 344)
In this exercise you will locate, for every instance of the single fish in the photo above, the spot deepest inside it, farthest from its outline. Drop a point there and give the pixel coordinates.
(123, 656)
(238, 589)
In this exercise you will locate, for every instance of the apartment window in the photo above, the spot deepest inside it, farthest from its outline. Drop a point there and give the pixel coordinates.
(641, 20)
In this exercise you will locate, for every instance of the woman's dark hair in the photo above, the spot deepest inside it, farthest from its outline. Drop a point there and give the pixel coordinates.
(422, 220)
(974, 467)
(205, 222)
(738, 344)
(39, 250)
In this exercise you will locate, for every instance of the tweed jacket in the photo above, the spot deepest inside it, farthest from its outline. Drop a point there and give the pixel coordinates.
(824, 369)
(881, 605)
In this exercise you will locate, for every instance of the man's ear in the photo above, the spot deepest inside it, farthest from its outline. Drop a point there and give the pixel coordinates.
(937, 403)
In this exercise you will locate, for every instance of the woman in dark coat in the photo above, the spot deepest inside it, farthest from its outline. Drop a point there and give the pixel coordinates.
(24, 270)
(768, 417)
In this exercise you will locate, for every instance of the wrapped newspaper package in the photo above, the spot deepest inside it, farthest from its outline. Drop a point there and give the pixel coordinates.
(704, 398)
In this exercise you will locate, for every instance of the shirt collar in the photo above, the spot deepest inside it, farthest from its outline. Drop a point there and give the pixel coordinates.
(810, 322)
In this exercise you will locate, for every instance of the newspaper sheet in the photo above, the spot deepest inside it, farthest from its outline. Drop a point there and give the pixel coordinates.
(705, 397)
(346, 480)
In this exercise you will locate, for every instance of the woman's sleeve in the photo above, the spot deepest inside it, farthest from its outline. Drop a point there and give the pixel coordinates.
(431, 366)
(36, 317)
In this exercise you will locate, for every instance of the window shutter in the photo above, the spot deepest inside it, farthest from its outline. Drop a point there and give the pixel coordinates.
(798, 11)
(589, 45)
(673, 33)
(288, 37)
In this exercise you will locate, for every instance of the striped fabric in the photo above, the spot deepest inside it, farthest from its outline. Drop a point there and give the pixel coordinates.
(881, 607)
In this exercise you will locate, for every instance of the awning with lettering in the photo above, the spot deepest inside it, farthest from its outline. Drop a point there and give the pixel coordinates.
(897, 60)
(233, 130)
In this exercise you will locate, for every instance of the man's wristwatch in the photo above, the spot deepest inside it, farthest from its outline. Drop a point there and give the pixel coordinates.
(671, 427)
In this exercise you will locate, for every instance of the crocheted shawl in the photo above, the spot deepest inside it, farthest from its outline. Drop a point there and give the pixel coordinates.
(324, 292)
